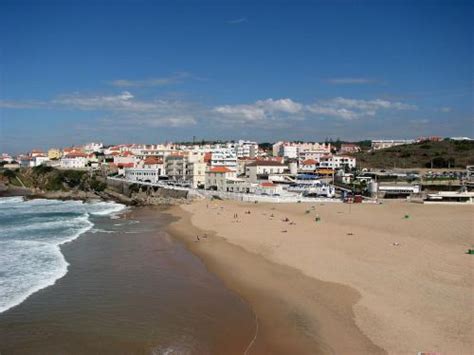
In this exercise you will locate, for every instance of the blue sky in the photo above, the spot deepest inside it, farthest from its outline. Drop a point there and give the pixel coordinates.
(150, 71)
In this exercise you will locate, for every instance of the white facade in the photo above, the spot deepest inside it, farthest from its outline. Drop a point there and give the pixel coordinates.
(93, 147)
(337, 161)
(78, 162)
(224, 157)
(387, 143)
(143, 174)
(265, 168)
(244, 149)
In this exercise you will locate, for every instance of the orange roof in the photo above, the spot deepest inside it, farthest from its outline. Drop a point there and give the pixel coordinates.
(267, 184)
(125, 165)
(152, 161)
(309, 162)
(220, 169)
(127, 153)
(207, 157)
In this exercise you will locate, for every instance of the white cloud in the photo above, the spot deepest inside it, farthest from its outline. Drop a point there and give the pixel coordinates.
(268, 109)
(287, 109)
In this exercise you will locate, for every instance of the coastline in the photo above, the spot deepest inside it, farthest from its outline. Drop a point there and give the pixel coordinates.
(129, 288)
(368, 279)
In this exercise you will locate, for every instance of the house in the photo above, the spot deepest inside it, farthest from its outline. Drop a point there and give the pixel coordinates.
(309, 166)
(337, 162)
(126, 157)
(216, 178)
(74, 161)
(261, 169)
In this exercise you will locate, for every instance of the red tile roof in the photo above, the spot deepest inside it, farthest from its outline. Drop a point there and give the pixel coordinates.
(152, 161)
(309, 162)
(125, 165)
(76, 155)
(267, 184)
(220, 169)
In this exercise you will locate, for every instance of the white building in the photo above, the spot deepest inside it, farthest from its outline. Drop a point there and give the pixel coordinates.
(337, 162)
(387, 143)
(224, 157)
(261, 169)
(246, 149)
(294, 150)
(149, 170)
(74, 161)
(93, 147)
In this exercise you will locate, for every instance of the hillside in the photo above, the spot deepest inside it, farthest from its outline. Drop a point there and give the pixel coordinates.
(437, 155)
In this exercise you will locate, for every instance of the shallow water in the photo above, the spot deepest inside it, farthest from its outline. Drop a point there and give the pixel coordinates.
(129, 288)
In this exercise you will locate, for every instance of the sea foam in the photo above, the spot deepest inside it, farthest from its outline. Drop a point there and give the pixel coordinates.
(31, 233)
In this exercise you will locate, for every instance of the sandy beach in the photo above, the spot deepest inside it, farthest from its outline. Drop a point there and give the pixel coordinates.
(337, 278)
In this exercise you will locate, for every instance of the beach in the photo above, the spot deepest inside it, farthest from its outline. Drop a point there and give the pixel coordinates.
(342, 278)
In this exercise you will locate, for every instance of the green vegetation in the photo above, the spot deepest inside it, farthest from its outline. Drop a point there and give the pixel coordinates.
(50, 179)
(435, 155)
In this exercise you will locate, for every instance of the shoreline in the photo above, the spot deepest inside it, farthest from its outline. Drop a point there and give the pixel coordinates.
(295, 313)
(393, 278)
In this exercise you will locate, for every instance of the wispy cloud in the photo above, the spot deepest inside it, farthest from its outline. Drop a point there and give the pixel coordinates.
(163, 81)
(237, 21)
(260, 110)
(351, 81)
(287, 109)
(27, 104)
(128, 110)
(445, 109)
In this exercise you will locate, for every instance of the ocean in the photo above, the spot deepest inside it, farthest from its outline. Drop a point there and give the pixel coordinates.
(31, 233)
(100, 278)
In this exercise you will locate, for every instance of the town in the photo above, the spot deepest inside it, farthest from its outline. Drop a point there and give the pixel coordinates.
(248, 171)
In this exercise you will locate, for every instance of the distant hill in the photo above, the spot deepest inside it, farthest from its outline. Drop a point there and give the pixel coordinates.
(437, 155)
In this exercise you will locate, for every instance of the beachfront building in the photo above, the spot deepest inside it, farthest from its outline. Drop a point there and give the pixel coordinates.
(150, 169)
(388, 143)
(196, 173)
(176, 167)
(75, 160)
(224, 157)
(261, 169)
(268, 188)
(216, 178)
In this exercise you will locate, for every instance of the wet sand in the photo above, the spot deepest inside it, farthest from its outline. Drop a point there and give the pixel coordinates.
(130, 289)
(363, 279)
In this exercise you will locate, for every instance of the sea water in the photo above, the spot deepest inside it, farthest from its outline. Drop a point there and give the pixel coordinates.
(31, 233)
